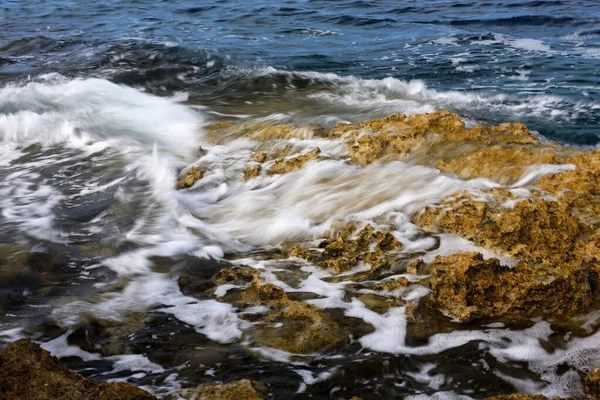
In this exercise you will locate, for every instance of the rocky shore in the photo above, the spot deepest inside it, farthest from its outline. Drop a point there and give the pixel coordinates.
(543, 215)
(538, 216)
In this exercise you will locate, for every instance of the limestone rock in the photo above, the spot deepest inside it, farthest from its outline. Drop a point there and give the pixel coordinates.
(592, 384)
(252, 171)
(258, 156)
(284, 164)
(518, 396)
(244, 389)
(342, 253)
(193, 175)
(299, 328)
(237, 275)
(29, 372)
(530, 226)
(465, 287)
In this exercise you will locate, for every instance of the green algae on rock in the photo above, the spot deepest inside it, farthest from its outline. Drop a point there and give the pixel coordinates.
(29, 372)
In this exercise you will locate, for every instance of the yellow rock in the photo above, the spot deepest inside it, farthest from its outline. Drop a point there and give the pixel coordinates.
(244, 389)
(252, 171)
(193, 175)
(465, 287)
(288, 164)
(346, 251)
(592, 384)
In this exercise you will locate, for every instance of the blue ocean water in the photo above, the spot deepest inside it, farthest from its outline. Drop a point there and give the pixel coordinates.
(532, 61)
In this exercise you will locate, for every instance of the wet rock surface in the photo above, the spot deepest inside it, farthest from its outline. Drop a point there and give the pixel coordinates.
(349, 246)
(29, 372)
(465, 287)
(362, 302)
(592, 384)
(190, 177)
(244, 389)
(548, 227)
(517, 396)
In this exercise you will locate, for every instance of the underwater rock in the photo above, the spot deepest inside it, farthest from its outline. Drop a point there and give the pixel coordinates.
(263, 131)
(283, 164)
(379, 303)
(193, 175)
(107, 337)
(591, 383)
(298, 328)
(244, 389)
(465, 287)
(288, 325)
(501, 164)
(29, 372)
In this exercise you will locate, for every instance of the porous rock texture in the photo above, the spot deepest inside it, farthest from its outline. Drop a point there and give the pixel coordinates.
(29, 372)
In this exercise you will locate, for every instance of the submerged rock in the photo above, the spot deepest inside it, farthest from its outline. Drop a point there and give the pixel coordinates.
(29, 372)
(298, 328)
(281, 323)
(284, 164)
(499, 163)
(263, 131)
(244, 389)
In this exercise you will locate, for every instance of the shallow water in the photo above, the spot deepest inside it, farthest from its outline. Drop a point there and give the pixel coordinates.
(102, 105)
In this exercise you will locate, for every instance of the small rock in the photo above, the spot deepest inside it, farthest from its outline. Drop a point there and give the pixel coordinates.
(252, 172)
(193, 175)
(592, 384)
(244, 389)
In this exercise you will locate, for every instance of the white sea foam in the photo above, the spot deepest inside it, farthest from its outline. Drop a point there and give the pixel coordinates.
(216, 320)
(389, 95)
(58, 110)
(530, 44)
(282, 207)
(133, 362)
